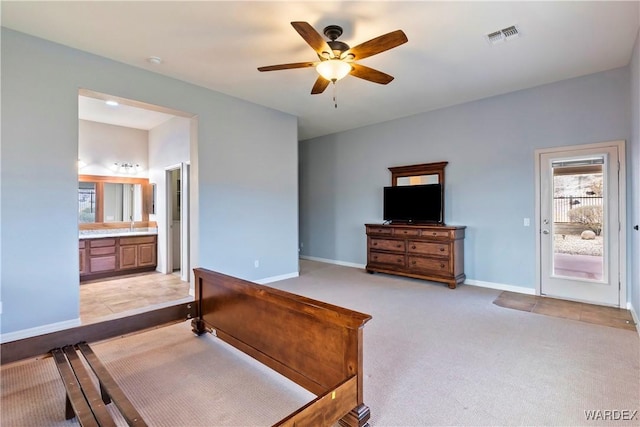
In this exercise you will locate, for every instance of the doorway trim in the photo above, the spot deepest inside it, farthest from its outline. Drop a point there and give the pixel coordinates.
(622, 210)
(183, 169)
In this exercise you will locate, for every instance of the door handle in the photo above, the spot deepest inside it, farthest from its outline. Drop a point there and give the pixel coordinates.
(545, 231)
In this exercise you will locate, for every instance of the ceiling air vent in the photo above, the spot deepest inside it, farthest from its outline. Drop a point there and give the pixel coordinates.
(508, 33)
(495, 37)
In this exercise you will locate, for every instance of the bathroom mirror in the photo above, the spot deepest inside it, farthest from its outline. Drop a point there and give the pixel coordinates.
(109, 199)
(122, 202)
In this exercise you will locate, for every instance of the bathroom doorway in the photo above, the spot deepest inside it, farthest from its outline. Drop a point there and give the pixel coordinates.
(152, 139)
(177, 179)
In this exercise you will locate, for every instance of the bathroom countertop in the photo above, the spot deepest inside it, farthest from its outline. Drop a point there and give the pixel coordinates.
(99, 234)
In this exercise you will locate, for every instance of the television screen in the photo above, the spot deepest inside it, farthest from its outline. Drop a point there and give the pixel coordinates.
(413, 203)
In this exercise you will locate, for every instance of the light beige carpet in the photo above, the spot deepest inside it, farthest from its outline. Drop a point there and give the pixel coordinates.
(171, 376)
(433, 356)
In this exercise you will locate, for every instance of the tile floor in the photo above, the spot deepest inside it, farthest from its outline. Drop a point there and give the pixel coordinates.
(606, 316)
(108, 298)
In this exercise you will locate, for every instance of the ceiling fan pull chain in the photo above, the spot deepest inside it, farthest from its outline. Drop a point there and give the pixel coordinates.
(335, 95)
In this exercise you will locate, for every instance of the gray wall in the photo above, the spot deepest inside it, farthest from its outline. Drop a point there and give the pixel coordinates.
(100, 145)
(246, 173)
(489, 145)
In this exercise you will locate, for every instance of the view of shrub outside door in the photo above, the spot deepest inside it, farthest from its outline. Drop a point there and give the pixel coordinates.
(579, 222)
(577, 215)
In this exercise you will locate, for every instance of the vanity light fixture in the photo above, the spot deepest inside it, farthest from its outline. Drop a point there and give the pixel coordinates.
(126, 167)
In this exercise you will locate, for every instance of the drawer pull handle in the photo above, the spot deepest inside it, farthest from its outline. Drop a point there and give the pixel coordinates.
(405, 231)
(375, 257)
(441, 249)
(413, 262)
(398, 246)
(441, 265)
(435, 234)
(399, 261)
(375, 243)
(413, 247)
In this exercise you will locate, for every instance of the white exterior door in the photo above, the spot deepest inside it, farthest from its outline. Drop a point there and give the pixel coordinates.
(580, 223)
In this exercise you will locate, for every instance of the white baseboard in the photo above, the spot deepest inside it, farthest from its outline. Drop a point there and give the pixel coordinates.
(277, 278)
(490, 285)
(39, 330)
(634, 314)
(500, 286)
(333, 261)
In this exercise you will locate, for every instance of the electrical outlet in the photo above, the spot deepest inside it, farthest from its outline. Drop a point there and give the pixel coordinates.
(256, 263)
(527, 222)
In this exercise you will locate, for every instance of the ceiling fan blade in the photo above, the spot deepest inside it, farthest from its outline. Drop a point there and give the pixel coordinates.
(287, 66)
(377, 45)
(370, 74)
(320, 85)
(313, 38)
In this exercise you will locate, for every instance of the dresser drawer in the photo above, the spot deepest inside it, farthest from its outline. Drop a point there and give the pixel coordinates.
(436, 234)
(430, 264)
(379, 230)
(406, 232)
(426, 248)
(386, 258)
(388, 245)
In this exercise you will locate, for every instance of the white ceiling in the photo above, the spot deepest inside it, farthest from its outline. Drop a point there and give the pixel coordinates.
(447, 60)
(97, 110)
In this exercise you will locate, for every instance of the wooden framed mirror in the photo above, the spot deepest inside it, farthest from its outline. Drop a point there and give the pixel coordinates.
(422, 174)
(112, 200)
(426, 173)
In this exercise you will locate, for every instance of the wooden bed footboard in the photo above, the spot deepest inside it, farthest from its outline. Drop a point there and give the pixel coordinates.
(314, 344)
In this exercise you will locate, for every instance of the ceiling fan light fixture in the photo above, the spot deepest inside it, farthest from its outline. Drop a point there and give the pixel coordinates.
(333, 69)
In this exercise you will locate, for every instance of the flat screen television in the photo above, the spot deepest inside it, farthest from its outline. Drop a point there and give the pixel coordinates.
(413, 204)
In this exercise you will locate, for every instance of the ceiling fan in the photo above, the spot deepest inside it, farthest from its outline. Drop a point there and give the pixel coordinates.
(337, 59)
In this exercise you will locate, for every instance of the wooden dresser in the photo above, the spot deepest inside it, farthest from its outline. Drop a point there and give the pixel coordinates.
(430, 252)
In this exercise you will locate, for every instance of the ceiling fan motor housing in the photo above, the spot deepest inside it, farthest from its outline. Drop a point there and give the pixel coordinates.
(332, 32)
